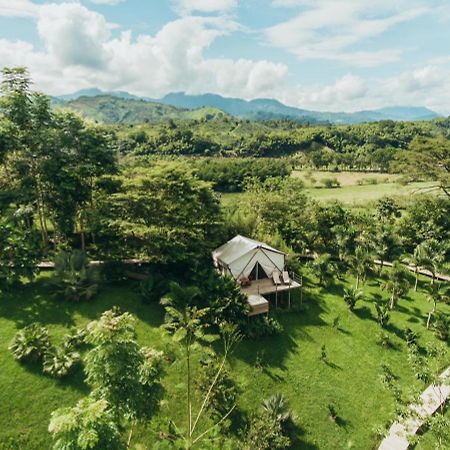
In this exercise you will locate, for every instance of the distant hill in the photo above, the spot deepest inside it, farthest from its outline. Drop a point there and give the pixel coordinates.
(114, 109)
(261, 109)
(123, 107)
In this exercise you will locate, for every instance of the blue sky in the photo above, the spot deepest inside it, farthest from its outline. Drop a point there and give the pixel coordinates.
(336, 55)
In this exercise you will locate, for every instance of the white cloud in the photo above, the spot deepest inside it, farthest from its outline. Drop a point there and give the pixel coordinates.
(80, 51)
(206, 6)
(73, 34)
(18, 8)
(325, 29)
(107, 2)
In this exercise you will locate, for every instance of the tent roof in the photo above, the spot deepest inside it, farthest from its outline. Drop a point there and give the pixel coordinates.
(239, 246)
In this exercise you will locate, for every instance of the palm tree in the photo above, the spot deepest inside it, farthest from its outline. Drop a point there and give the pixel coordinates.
(361, 264)
(397, 283)
(324, 268)
(437, 295)
(419, 259)
(351, 296)
(277, 409)
(435, 253)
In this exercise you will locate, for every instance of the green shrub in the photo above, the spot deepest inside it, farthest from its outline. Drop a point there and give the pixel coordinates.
(262, 326)
(30, 343)
(441, 326)
(331, 183)
(59, 361)
(410, 337)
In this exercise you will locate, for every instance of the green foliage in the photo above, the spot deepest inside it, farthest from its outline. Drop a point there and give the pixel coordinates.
(397, 283)
(90, 425)
(411, 337)
(229, 175)
(351, 297)
(330, 183)
(30, 343)
(60, 361)
(162, 213)
(383, 314)
(74, 279)
(324, 269)
(262, 325)
(332, 411)
(223, 395)
(265, 434)
(441, 326)
(19, 252)
(118, 370)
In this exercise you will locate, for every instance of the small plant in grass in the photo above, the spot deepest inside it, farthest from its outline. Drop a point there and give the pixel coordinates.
(259, 360)
(382, 314)
(351, 296)
(323, 353)
(385, 340)
(336, 322)
(59, 361)
(419, 365)
(411, 337)
(30, 343)
(387, 376)
(332, 412)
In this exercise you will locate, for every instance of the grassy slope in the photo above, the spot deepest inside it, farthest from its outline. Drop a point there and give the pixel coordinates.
(291, 365)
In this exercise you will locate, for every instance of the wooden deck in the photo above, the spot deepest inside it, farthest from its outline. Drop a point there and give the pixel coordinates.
(267, 286)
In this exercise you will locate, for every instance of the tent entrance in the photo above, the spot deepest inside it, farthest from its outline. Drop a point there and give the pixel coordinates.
(258, 272)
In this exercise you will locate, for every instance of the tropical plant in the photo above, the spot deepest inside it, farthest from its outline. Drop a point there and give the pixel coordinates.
(265, 434)
(352, 296)
(119, 370)
(434, 252)
(437, 294)
(59, 361)
(382, 314)
(90, 425)
(397, 283)
(74, 279)
(324, 269)
(419, 260)
(361, 265)
(332, 411)
(263, 326)
(441, 326)
(30, 343)
(411, 337)
(277, 408)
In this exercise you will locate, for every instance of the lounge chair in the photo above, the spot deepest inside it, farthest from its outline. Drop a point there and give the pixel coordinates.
(276, 277)
(286, 279)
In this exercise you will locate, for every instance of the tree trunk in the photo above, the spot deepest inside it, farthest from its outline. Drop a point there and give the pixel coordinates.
(392, 304)
(417, 279)
(430, 314)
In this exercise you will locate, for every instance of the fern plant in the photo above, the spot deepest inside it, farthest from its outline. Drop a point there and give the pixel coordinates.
(30, 343)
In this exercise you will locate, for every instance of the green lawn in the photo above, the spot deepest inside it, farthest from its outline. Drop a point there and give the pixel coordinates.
(351, 194)
(291, 364)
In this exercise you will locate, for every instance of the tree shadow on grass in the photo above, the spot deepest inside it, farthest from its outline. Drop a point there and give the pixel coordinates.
(33, 303)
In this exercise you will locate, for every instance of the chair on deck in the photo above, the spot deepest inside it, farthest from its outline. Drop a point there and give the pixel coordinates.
(276, 277)
(286, 279)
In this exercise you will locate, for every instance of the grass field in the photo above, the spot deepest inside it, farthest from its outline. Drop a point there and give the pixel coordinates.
(291, 364)
(356, 188)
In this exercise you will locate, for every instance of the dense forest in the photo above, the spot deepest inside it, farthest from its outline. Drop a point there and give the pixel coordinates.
(73, 191)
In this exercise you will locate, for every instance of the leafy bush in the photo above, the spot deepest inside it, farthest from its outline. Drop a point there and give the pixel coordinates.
(30, 343)
(385, 340)
(382, 314)
(265, 434)
(411, 337)
(75, 338)
(351, 296)
(59, 361)
(153, 288)
(332, 411)
(262, 326)
(331, 183)
(74, 279)
(224, 393)
(441, 326)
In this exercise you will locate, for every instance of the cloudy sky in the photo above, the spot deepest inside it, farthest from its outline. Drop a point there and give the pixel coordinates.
(335, 55)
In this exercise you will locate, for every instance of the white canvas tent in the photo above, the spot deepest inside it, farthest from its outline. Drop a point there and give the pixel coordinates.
(241, 257)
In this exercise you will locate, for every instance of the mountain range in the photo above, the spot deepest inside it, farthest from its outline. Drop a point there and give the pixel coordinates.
(123, 107)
